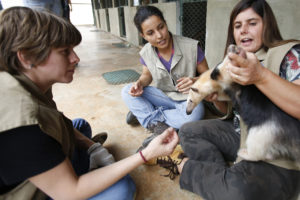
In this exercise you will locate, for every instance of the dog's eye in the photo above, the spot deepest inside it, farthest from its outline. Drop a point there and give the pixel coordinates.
(194, 89)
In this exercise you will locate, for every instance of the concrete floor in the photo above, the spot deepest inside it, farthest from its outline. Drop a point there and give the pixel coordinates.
(90, 97)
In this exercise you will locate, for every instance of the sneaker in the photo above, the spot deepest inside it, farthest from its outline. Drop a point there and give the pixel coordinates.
(146, 142)
(156, 130)
(100, 137)
(160, 127)
(131, 119)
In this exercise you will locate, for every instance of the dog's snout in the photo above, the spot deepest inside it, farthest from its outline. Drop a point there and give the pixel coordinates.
(233, 49)
(190, 106)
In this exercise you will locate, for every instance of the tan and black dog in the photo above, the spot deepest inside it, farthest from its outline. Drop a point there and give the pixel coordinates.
(272, 133)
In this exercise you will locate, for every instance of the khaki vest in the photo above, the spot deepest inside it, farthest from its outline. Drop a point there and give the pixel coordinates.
(23, 105)
(184, 64)
(272, 60)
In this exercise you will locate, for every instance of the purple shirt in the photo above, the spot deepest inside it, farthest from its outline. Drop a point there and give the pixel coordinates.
(167, 64)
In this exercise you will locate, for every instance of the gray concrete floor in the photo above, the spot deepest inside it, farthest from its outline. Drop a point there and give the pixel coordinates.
(90, 97)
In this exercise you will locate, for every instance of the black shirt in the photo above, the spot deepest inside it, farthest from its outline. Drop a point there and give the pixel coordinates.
(25, 152)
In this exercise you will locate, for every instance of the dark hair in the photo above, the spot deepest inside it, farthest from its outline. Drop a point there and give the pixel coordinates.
(34, 33)
(271, 34)
(144, 13)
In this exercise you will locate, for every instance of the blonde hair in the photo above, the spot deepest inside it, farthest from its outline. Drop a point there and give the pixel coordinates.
(34, 33)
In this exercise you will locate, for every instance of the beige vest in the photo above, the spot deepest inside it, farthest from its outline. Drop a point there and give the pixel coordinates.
(272, 60)
(23, 104)
(184, 64)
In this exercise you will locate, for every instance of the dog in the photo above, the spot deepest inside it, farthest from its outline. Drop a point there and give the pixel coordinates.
(272, 133)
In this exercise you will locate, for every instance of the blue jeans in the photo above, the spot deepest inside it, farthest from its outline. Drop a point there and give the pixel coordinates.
(153, 106)
(54, 6)
(124, 189)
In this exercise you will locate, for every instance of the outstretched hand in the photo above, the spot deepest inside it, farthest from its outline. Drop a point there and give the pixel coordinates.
(136, 89)
(245, 71)
(162, 145)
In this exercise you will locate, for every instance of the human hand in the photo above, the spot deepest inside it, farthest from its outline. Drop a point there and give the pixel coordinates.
(136, 89)
(245, 70)
(162, 145)
(184, 84)
(99, 156)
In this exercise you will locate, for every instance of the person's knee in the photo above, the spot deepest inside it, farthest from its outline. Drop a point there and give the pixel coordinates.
(185, 129)
(80, 122)
(125, 90)
(82, 126)
(198, 113)
(126, 188)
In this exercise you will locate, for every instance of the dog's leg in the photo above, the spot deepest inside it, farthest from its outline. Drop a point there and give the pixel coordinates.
(259, 142)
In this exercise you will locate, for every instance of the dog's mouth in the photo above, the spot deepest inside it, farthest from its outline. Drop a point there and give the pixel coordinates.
(190, 107)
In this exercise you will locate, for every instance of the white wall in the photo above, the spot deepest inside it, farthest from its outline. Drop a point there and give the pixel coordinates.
(114, 21)
(82, 12)
(132, 34)
(10, 3)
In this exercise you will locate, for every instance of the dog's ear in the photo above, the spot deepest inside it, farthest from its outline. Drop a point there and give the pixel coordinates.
(215, 73)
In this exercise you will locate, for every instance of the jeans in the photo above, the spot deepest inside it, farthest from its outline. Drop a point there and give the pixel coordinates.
(124, 189)
(154, 106)
(54, 6)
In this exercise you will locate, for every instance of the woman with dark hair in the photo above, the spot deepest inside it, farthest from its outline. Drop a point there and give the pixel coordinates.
(211, 146)
(37, 142)
(170, 64)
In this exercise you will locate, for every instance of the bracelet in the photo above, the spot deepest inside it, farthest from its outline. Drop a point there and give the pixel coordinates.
(144, 159)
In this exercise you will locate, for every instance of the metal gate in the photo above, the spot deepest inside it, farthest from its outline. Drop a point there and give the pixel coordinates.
(193, 20)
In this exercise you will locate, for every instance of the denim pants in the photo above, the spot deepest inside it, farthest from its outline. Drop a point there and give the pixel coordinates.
(124, 189)
(210, 145)
(54, 6)
(154, 106)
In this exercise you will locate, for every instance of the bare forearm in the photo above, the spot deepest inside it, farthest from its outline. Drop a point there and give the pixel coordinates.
(82, 141)
(284, 94)
(145, 80)
(201, 68)
(98, 180)
(61, 181)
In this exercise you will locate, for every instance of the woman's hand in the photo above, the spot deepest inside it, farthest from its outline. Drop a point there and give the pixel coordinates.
(136, 89)
(184, 84)
(162, 145)
(245, 71)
